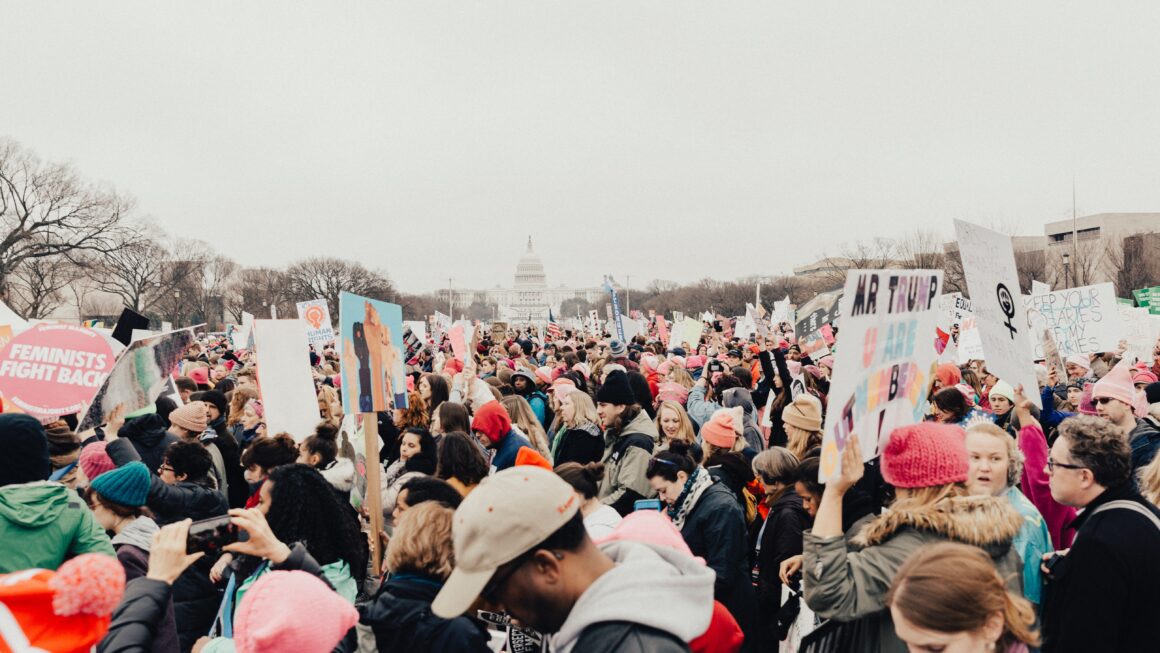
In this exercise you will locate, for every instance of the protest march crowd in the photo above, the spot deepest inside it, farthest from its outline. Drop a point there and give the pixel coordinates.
(566, 488)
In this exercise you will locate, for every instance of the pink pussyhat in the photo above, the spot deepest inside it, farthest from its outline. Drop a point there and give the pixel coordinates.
(650, 527)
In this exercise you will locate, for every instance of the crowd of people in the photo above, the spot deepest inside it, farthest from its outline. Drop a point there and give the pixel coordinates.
(580, 493)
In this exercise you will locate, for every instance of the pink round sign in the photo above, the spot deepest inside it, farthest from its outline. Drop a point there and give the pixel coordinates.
(54, 369)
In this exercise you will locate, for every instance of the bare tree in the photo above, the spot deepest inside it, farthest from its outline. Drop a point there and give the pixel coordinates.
(36, 288)
(1132, 263)
(327, 277)
(46, 210)
(879, 253)
(136, 270)
(921, 250)
(253, 290)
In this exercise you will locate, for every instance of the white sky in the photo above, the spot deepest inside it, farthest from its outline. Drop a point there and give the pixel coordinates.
(666, 139)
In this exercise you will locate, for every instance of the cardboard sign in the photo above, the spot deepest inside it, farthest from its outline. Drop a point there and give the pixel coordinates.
(989, 266)
(129, 320)
(54, 369)
(1082, 320)
(662, 329)
(373, 373)
(499, 333)
(883, 369)
(11, 319)
(1051, 357)
(140, 375)
(285, 379)
(316, 314)
(417, 327)
(594, 321)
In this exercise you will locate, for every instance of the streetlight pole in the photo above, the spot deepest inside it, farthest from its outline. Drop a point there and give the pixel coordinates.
(1066, 270)
(628, 294)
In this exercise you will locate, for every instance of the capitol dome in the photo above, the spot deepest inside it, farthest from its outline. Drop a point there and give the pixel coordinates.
(530, 271)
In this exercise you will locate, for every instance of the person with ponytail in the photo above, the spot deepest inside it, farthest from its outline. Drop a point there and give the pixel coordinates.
(712, 524)
(320, 451)
(599, 519)
(948, 597)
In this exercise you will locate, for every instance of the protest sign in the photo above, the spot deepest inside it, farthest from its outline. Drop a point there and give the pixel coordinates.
(411, 345)
(989, 266)
(815, 345)
(662, 329)
(285, 380)
(617, 319)
(594, 321)
(316, 314)
(54, 369)
(1051, 356)
(883, 369)
(129, 320)
(1039, 288)
(678, 317)
(140, 375)
(458, 342)
(822, 309)
(1082, 320)
(10, 318)
(1141, 331)
(419, 328)
(5, 335)
(372, 354)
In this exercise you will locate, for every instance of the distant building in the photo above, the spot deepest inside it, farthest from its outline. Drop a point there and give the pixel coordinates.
(1093, 247)
(529, 298)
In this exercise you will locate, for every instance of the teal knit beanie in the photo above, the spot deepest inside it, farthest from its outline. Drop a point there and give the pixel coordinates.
(128, 485)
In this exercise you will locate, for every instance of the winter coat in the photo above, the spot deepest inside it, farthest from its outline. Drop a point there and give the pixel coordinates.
(780, 538)
(135, 619)
(150, 438)
(777, 434)
(539, 404)
(132, 545)
(506, 450)
(236, 489)
(394, 479)
(715, 530)
(172, 503)
(1103, 594)
(699, 408)
(1145, 441)
(579, 444)
(851, 586)
(653, 601)
(42, 524)
(400, 617)
(626, 455)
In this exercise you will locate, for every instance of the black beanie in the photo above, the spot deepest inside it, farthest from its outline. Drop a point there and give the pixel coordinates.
(616, 390)
(218, 399)
(25, 448)
(1152, 392)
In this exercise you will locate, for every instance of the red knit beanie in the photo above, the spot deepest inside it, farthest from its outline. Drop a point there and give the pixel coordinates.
(925, 455)
(724, 427)
(492, 420)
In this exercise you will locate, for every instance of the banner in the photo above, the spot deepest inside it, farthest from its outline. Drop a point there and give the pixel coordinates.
(616, 317)
(316, 314)
(54, 369)
(140, 375)
(883, 369)
(373, 374)
(285, 379)
(1082, 320)
(989, 266)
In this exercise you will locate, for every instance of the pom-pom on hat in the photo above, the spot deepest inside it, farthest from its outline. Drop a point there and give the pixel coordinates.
(925, 455)
(724, 427)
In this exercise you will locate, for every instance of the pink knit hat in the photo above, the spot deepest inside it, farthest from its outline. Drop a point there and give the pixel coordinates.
(669, 391)
(794, 367)
(925, 455)
(291, 611)
(650, 527)
(94, 461)
(1086, 405)
(1116, 384)
(544, 374)
(724, 427)
(562, 386)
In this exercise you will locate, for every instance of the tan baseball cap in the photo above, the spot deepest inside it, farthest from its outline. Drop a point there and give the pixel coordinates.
(508, 514)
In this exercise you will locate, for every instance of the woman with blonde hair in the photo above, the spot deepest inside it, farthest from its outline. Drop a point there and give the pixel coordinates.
(948, 597)
(525, 420)
(329, 404)
(578, 438)
(673, 423)
(803, 425)
(679, 375)
(420, 557)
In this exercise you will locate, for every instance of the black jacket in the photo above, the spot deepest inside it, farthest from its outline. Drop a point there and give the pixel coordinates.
(780, 538)
(172, 503)
(1103, 594)
(137, 617)
(583, 444)
(150, 438)
(627, 637)
(239, 490)
(401, 618)
(777, 434)
(1145, 441)
(715, 530)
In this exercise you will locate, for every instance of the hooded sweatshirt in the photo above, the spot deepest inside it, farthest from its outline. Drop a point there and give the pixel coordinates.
(645, 577)
(42, 524)
(150, 438)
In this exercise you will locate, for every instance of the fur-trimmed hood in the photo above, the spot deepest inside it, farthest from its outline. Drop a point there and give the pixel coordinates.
(990, 523)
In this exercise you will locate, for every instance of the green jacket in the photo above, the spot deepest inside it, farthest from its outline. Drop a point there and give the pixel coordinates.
(43, 524)
(851, 586)
(625, 462)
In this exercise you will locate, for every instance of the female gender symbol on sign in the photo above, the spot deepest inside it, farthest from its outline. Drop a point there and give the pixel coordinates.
(1007, 305)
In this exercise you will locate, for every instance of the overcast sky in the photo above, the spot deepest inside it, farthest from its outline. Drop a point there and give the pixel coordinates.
(654, 139)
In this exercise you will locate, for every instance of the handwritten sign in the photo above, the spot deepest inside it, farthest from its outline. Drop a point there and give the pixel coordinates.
(989, 266)
(885, 362)
(1082, 320)
(316, 314)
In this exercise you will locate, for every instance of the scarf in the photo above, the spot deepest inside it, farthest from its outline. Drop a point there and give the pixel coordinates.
(690, 494)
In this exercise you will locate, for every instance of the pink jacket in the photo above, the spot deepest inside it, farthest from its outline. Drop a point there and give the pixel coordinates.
(1033, 443)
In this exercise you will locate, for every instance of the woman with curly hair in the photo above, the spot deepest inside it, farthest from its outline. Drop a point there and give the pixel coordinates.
(300, 507)
(417, 457)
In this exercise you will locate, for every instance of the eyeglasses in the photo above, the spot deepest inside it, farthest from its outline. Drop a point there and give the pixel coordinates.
(1104, 400)
(1051, 465)
(164, 468)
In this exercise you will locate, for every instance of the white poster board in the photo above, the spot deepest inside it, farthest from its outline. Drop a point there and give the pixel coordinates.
(884, 362)
(1082, 320)
(989, 266)
(285, 381)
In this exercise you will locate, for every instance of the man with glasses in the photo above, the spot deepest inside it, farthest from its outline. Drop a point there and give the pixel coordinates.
(1104, 593)
(1115, 398)
(521, 547)
(183, 486)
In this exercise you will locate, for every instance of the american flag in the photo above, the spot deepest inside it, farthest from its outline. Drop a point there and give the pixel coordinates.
(554, 330)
